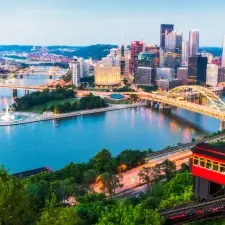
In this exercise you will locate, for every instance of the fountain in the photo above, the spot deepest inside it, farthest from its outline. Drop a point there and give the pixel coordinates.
(8, 117)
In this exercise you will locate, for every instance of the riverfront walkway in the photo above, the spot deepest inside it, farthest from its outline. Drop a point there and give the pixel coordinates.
(33, 118)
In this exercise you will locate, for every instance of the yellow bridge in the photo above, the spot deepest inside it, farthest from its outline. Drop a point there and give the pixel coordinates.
(189, 97)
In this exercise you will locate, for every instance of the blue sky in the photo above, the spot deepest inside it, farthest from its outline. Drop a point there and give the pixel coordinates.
(84, 22)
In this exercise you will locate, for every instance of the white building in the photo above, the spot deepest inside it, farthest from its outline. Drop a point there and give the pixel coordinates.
(223, 55)
(170, 40)
(212, 74)
(194, 42)
(165, 73)
(185, 52)
(75, 68)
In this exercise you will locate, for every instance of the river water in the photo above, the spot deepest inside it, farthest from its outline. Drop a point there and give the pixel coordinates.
(77, 139)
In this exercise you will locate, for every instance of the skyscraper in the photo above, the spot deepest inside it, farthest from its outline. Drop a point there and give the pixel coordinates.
(194, 42)
(163, 29)
(149, 59)
(136, 48)
(197, 67)
(173, 49)
(223, 54)
(75, 68)
(185, 52)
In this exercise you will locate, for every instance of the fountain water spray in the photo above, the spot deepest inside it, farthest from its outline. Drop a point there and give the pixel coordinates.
(7, 117)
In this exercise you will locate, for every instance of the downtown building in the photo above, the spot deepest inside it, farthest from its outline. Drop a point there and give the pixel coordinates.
(182, 75)
(185, 52)
(150, 60)
(76, 69)
(136, 48)
(194, 42)
(212, 75)
(223, 54)
(173, 50)
(197, 68)
(164, 28)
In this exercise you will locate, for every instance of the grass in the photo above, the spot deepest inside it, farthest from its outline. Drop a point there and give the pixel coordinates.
(39, 108)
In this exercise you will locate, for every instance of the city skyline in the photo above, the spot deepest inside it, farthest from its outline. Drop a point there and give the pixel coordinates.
(75, 23)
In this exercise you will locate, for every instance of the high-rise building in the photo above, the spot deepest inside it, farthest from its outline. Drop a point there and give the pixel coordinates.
(194, 42)
(150, 58)
(182, 75)
(223, 54)
(163, 29)
(136, 48)
(212, 75)
(165, 73)
(185, 52)
(75, 68)
(143, 76)
(107, 76)
(173, 49)
(197, 67)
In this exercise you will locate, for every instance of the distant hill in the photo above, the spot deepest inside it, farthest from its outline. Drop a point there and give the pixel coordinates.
(93, 51)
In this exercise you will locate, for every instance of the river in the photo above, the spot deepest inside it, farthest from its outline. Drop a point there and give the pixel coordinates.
(80, 138)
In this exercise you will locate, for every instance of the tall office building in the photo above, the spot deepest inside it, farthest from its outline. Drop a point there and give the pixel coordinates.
(173, 49)
(163, 29)
(197, 67)
(136, 48)
(185, 52)
(150, 58)
(75, 68)
(223, 54)
(194, 42)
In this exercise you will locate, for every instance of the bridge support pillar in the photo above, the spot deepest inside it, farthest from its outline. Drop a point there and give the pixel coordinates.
(14, 93)
(27, 92)
(222, 125)
(165, 107)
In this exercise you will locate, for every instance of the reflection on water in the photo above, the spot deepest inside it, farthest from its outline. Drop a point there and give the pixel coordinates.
(56, 143)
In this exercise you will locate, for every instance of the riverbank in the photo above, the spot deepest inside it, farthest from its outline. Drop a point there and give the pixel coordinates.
(33, 118)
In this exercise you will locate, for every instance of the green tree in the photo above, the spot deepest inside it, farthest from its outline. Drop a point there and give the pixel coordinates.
(131, 158)
(134, 97)
(102, 162)
(110, 182)
(178, 190)
(146, 175)
(124, 214)
(53, 215)
(15, 207)
(168, 168)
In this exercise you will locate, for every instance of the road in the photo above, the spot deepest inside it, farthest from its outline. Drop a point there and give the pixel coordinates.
(179, 155)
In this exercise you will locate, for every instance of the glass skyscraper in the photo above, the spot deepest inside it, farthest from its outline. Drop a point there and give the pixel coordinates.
(194, 42)
(163, 29)
(197, 67)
